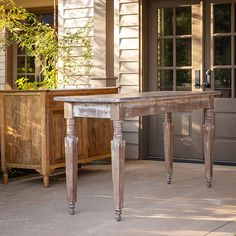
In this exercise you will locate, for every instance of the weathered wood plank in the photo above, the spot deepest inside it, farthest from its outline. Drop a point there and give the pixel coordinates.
(208, 129)
(118, 168)
(103, 131)
(71, 151)
(168, 146)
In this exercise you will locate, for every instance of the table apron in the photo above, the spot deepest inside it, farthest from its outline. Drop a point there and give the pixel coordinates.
(120, 111)
(132, 110)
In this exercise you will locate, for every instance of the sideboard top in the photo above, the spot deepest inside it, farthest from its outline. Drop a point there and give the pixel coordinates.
(55, 90)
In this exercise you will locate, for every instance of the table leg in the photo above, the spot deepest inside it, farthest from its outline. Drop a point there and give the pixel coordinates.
(71, 155)
(168, 146)
(5, 178)
(5, 174)
(208, 129)
(118, 167)
(4, 168)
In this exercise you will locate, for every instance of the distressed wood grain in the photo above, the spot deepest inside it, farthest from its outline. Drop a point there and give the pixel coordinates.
(33, 130)
(168, 146)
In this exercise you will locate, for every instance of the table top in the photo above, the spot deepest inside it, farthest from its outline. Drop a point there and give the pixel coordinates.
(127, 97)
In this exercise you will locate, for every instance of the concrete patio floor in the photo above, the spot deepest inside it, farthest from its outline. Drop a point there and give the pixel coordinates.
(185, 208)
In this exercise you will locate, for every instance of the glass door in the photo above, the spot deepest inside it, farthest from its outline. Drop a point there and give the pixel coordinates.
(175, 64)
(220, 53)
(191, 43)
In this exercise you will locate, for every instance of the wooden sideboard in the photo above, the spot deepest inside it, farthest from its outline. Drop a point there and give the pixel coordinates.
(33, 130)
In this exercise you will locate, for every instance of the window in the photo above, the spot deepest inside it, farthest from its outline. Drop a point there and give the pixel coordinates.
(25, 66)
(223, 47)
(174, 48)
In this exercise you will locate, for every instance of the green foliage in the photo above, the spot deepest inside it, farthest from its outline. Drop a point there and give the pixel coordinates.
(41, 42)
(72, 63)
(24, 83)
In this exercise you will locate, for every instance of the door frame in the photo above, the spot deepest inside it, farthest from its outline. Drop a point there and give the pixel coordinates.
(144, 77)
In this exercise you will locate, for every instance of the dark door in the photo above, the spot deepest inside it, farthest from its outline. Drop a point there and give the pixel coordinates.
(187, 39)
(175, 61)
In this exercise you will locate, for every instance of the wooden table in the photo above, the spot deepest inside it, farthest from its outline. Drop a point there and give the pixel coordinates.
(117, 107)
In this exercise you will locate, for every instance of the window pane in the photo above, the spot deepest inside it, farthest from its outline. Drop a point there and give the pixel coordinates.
(234, 50)
(31, 78)
(19, 76)
(183, 20)
(165, 22)
(183, 80)
(20, 51)
(47, 18)
(165, 80)
(184, 52)
(235, 83)
(21, 64)
(30, 65)
(165, 52)
(222, 18)
(235, 18)
(223, 81)
(222, 48)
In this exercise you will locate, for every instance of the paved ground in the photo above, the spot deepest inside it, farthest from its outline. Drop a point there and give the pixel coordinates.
(185, 208)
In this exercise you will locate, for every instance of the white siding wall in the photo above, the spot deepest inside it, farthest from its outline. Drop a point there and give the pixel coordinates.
(128, 69)
(76, 13)
(72, 15)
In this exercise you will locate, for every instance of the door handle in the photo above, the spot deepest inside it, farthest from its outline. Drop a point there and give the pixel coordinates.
(207, 83)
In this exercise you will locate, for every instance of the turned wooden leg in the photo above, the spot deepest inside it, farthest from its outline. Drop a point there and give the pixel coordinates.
(4, 169)
(168, 146)
(46, 181)
(118, 168)
(208, 129)
(71, 143)
(5, 178)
